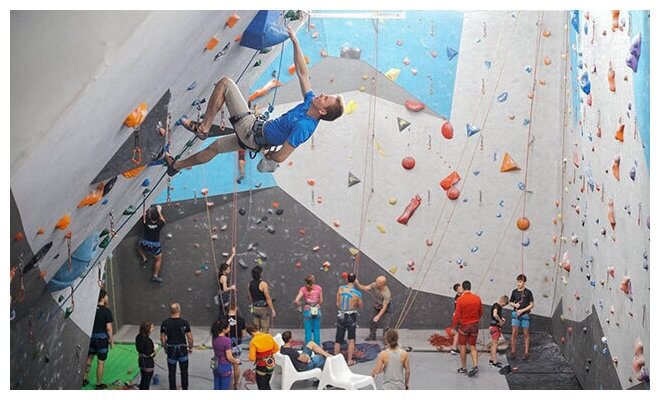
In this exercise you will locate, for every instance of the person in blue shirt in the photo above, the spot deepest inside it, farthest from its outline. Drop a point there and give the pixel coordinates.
(289, 131)
(349, 300)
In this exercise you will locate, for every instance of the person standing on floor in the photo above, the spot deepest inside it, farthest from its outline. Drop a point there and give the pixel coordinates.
(394, 362)
(459, 291)
(522, 301)
(262, 351)
(466, 318)
(496, 323)
(146, 353)
(311, 308)
(380, 315)
(177, 339)
(153, 221)
(236, 333)
(259, 296)
(222, 373)
(101, 340)
(349, 300)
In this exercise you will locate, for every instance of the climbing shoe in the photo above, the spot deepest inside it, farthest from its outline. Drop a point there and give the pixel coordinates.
(267, 165)
(473, 371)
(169, 161)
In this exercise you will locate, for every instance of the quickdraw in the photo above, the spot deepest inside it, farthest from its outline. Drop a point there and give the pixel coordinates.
(137, 151)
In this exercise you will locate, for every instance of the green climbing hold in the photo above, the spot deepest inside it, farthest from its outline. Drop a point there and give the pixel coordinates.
(104, 232)
(105, 242)
(146, 191)
(129, 211)
(188, 144)
(59, 299)
(68, 312)
(257, 64)
(292, 15)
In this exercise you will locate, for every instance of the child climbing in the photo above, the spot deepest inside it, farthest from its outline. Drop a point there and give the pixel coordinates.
(289, 131)
(153, 221)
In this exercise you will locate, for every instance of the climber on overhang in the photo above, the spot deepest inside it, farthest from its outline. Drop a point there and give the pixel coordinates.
(289, 130)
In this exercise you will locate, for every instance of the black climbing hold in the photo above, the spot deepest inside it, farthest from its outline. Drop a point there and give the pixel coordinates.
(264, 218)
(279, 211)
(59, 299)
(108, 185)
(403, 124)
(37, 257)
(242, 264)
(242, 211)
(257, 64)
(270, 229)
(352, 179)
(47, 359)
(56, 256)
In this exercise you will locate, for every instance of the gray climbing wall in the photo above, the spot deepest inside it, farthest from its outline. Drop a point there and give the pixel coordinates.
(87, 71)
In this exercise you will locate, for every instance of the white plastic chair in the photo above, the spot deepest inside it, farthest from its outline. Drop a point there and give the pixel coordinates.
(337, 373)
(289, 373)
(277, 371)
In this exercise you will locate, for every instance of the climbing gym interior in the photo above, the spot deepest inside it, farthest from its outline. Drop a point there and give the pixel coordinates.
(473, 146)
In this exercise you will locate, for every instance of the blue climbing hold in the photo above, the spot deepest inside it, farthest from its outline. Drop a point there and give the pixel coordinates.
(451, 53)
(476, 173)
(472, 130)
(521, 186)
(575, 20)
(264, 31)
(474, 249)
(585, 84)
(488, 64)
(586, 28)
(192, 85)
(146, 182)
(501, 203)
(525, 242)
(528, 68)
(580, 64)
(80, 260)
(525, 121)
(498, 215)
(479, 233)
(502, 98)
(104, 202)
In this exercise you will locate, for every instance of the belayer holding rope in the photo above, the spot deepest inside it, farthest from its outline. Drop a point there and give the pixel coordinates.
(289, 130)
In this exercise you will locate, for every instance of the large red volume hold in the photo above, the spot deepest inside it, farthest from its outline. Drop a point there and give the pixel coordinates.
(450, 180)
(410, 210)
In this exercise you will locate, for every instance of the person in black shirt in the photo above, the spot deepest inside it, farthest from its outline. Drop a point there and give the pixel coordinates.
(236, 333)
(146, 353)
(496, 324)
(101, 340)
(153, 221)
(174, 332)
(522, 301)
(259, 295)
(312, 356)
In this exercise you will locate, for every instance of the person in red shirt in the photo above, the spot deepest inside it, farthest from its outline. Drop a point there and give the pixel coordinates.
(466, 317)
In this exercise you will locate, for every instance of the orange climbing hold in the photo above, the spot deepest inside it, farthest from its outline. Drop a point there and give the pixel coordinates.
(133, 173)
(231, 21)
(64, 222)
(311, 182)
(292, 67)
(450, 180)
(619, 132)
(273, 83)
(522, 223)
(414, 106)
(41, 231)
(546, 33)
(610, 78)
(447, 130)
(135, 118)
(210, 45)
(508, 164)
(615, 20)
(547, 60)
(19, 236)
(93, 197)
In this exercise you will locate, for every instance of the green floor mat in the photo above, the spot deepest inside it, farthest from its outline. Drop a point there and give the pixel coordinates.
(121, 367)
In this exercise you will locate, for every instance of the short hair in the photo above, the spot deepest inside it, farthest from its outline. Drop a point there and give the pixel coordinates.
(351, 278)
(466, 285)
(505, 299)
(175, 308)
(102, 294)
(144, 328)
(521, 277)
(257, 271)
(334, 111)
(286, 336)
(456, 286)
(250, 328)
(392, 338)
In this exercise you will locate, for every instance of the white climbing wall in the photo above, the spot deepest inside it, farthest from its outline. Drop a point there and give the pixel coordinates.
(474, 237)
(593, 246)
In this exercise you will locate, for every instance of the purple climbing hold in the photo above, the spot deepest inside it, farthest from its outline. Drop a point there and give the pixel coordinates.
(636, 45)
(632, 62)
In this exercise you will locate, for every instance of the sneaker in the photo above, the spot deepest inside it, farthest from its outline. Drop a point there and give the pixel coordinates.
(240, 179)
(496, 364)
(525, 357)
(513, 355)
(462, 371)
(143, 264)
(473, 371)
(101, 386)
(156, 279)
(454, 351)
(85, 382)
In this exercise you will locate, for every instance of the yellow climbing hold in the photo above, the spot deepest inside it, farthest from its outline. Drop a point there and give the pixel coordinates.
(392, 73)
(393, 270)
(380, 149)
(381, 228)
(392, 200)
(365, 77)
(354, 252)
(351, 106)
(362, 88)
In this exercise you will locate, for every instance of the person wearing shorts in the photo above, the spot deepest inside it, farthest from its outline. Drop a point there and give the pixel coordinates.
(101, 340)
(153, 221)
(466, 318)
(349, 299)
(522, 301)
(496, 323)
(260, 300)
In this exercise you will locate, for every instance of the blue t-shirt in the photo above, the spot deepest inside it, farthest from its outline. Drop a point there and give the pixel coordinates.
(347, 293)
(294, 126)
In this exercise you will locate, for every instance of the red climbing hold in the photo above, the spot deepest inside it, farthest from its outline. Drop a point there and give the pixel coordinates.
(523, 223)
(344, 275)
(450, 180)
(410, 210)
(414, 106)
(19, 236)
(408, 163)
(447, 130)
(453, 193)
